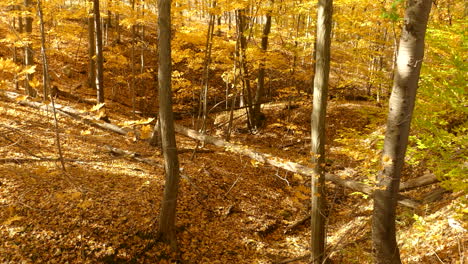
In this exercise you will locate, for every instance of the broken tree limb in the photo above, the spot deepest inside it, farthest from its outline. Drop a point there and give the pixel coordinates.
(30, 160)
(418, 182)
(133, 155)
(69, 111)
(284, 164)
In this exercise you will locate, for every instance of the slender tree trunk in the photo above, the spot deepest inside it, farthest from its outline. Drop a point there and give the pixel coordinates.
(91, 52)
(241, 27)
(143, 44)
(15, 49)
(261, 72)
(46, 81)
(117, 25)
(109, 14)
(203, 111)
(401, 104)
(322, 70)
(99, 55)
(28, 51)
(296, 53)
(45, 70)
(132, 55)
(171, 163)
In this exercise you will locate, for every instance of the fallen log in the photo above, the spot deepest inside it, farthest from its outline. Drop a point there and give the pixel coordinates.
(69, 111)
(258, 156)
(434, 195)
(30, 160)
(418, 182)
(284, 164)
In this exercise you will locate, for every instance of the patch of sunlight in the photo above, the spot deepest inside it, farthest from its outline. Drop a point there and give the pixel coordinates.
(253, 244)
(441, 230)
(121, 167)
(346, 231)
(14, 230)
(293, 240)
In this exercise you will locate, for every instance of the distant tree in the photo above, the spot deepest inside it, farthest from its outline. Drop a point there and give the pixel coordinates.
(167, 217)
(28, 50)
(401, 104)
(91, 51)
(256, 116)
(322, 70)
(45, 65)
(246, 95)
(99, 55)
(203, 110)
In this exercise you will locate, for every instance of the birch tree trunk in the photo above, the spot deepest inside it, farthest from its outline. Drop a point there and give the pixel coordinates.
(167, 217)
(322, 70)
(401, 105)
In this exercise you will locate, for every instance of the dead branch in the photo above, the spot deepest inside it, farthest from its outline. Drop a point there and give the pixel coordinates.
(434, 195)
(69, 111)
(297, 223)
(27, 160)
(418, 182)
(195, 149)
(133, 155)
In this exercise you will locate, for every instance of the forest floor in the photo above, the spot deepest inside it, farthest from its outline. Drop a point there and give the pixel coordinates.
(104, 207)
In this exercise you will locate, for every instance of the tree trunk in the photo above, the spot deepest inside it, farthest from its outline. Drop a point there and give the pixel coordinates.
(257, 120)
(99, 55)
(132, 55)
(324, 19)
(28, 52)
(91, 52)
(401, 104)
(45, 65)
(203, 110)
(171, 163)
(241, 27)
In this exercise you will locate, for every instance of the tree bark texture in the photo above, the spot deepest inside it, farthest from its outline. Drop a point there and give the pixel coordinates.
(99, 55)
(401, 105)
(322, 70)
(171, 162)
